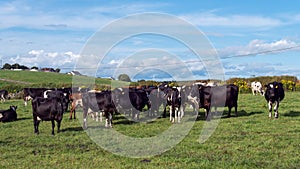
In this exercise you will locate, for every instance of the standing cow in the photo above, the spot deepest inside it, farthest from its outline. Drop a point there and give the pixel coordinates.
(47, 109)
(219, 96)
(274, 94)
(257, 88)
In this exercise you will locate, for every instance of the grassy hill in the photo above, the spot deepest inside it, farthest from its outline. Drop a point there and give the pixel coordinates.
(17, 80)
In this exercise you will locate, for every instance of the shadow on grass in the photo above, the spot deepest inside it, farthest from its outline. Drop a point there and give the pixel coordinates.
(72, 129)
(292, 114)
(201, 116)
(244, 113)
(23, 118)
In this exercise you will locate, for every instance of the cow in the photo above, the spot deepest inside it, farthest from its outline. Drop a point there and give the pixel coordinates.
(273, 95)
(9, 114)
(175, 108)
(190, 95)
(218, 96)
(76, 100)
(98, 102)
(131, 99)
(3, 95)
(156, 99)
(47, 109)
(257, 88)
(64, 97)
(31, 93)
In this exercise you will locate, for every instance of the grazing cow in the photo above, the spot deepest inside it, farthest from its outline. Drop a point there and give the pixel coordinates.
(131, 99)
(257, 88)
(274, 94)
(219, 96)
(47, 109)
(98, 102)
(9, 114)
(3, 95)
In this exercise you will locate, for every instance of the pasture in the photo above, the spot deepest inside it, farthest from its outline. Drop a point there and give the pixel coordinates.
(251, 140)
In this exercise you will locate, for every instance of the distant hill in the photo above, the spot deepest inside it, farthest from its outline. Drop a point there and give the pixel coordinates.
(14, 81)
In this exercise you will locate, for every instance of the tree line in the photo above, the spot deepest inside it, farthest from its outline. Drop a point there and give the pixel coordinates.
(8, 66)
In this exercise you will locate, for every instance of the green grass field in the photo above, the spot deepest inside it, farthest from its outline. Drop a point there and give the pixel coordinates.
(251, 140)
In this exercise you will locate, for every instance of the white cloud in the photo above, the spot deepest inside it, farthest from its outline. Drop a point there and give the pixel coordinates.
(212, 19)
(258, 46)
(41, 58)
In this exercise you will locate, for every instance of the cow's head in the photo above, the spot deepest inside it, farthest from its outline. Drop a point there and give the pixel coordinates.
(14, 108)
(272, 91)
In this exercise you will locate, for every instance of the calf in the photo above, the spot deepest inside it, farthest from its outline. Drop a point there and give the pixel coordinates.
(273, 95)
(47, 109)
(8, 115)
(3, 95)
(256, 87)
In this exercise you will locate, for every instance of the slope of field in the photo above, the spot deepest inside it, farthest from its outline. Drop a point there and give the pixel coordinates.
(251, 140)
(16, 80)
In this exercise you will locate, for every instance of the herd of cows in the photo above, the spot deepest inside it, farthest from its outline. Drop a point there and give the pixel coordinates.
(50, 104)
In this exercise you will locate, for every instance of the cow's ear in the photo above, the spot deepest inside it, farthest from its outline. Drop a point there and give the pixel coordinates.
(276, 86)
(266, 86)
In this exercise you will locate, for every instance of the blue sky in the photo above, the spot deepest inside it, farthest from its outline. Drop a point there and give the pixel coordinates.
(53, 34)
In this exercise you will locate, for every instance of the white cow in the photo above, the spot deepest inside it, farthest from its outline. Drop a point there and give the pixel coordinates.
(257, 88)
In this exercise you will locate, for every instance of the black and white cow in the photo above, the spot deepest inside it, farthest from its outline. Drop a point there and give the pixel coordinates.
(274, 94)
(218, 96)
(47, 109)
(256, 87)
(131, 99)
(176, 110)
(3, 95)
(9, 114)
(98, 102)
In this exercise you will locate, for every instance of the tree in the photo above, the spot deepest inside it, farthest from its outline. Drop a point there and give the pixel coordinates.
(15, 66)
(124, 77)
(6, 66)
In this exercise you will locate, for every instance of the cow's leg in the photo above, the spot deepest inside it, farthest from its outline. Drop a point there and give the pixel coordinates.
(270, 109)
(101, 114)
(106, 118)
(36, 124)
(180, 114)
(53, 126)
(175, 114)
(235, 110)
(72, 110)
(85, 118)
(97, 116)
(229, 111)
(171, 113)
(276, 106)
(110, 118)
(58, 126)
